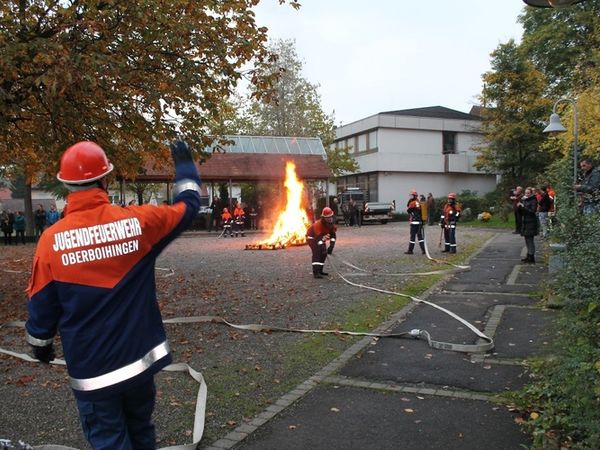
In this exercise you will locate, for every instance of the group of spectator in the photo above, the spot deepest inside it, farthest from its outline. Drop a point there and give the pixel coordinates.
(15, 223)
(533, 207)
(541, 209)
(350, 212)
(12, 223)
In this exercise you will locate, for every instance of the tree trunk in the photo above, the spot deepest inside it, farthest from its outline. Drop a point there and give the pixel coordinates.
(28, 206)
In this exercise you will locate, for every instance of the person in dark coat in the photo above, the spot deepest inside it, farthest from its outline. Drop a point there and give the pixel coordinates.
(214, 219)
(515, 198)
(544, 207)
(39, 220)
(589, 187)
(527, 208)
(6, 225)
(20, 226)
(430, 209)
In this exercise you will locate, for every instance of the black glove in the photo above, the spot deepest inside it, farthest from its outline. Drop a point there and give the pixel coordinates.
(184, 164)
(441, 224)
(44, 354)
(181, 152)
(330, 250)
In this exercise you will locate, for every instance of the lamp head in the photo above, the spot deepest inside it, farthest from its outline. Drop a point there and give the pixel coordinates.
(555, 125)
(552, 3)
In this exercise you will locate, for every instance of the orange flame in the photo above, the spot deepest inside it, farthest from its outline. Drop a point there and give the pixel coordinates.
(292, 223)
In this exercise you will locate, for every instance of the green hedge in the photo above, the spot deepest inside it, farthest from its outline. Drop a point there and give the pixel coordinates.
(566, 389)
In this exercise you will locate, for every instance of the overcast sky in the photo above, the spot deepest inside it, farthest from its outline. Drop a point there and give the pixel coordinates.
(370, 56)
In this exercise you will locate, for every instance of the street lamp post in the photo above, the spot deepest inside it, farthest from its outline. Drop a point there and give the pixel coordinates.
(556, 126)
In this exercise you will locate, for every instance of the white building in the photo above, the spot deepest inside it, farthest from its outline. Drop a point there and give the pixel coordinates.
(428, 149)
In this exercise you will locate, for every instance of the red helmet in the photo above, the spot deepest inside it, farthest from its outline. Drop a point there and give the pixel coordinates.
(413, 192)
(327, 212)
(83, 163)
(452, 195)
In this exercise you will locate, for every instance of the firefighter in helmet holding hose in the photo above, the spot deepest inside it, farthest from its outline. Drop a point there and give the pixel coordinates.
(415, 218)
(316, 236)
(450, 214)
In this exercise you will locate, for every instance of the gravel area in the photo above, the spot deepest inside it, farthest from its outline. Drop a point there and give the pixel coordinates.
(200, 274)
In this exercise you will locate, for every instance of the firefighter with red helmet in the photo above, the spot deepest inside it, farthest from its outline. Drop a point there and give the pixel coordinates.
(239, 219)
(227, 222)
(450, 214)
(92, 281)
(415, 218)
(316, 236)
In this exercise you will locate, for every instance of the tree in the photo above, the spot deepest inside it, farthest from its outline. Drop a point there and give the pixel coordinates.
(294, 109)
(128, 75)
(561, 44)
(514, 110)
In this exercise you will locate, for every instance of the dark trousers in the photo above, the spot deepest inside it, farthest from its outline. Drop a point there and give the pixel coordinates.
(212, 222)
(238, 227)
(122, 422)
(227, 229)
(530, 244)
(319, 254)
(450, 238)
(22, 234)
(416, 232)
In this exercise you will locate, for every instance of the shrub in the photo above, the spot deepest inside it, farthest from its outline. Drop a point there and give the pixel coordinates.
(566, 389)
(484, 216)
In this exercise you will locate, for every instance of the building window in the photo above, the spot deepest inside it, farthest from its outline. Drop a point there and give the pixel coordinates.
(449, 142)
(351, 145)
(372, 140)
(373, 188)
(362, 143)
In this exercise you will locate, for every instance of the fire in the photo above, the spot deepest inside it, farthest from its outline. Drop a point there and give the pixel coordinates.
(292, 223)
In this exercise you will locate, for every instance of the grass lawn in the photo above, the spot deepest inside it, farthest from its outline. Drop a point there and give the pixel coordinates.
(495, 222)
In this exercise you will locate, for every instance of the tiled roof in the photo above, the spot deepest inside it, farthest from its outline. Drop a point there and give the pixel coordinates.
(246, 167)
(438, 112)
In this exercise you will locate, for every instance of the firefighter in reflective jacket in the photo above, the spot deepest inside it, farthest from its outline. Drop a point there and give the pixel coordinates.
(316, 236)
(415, 218)
(450, 214)
(239, 219)
(92, 281)
(227, 222)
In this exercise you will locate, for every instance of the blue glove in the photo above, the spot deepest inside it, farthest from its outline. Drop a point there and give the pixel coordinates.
(44, 354)
(184, 164)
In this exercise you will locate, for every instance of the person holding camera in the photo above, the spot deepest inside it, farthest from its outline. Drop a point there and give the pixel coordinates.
(527, 208)
(589, 187)
(515, 197)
